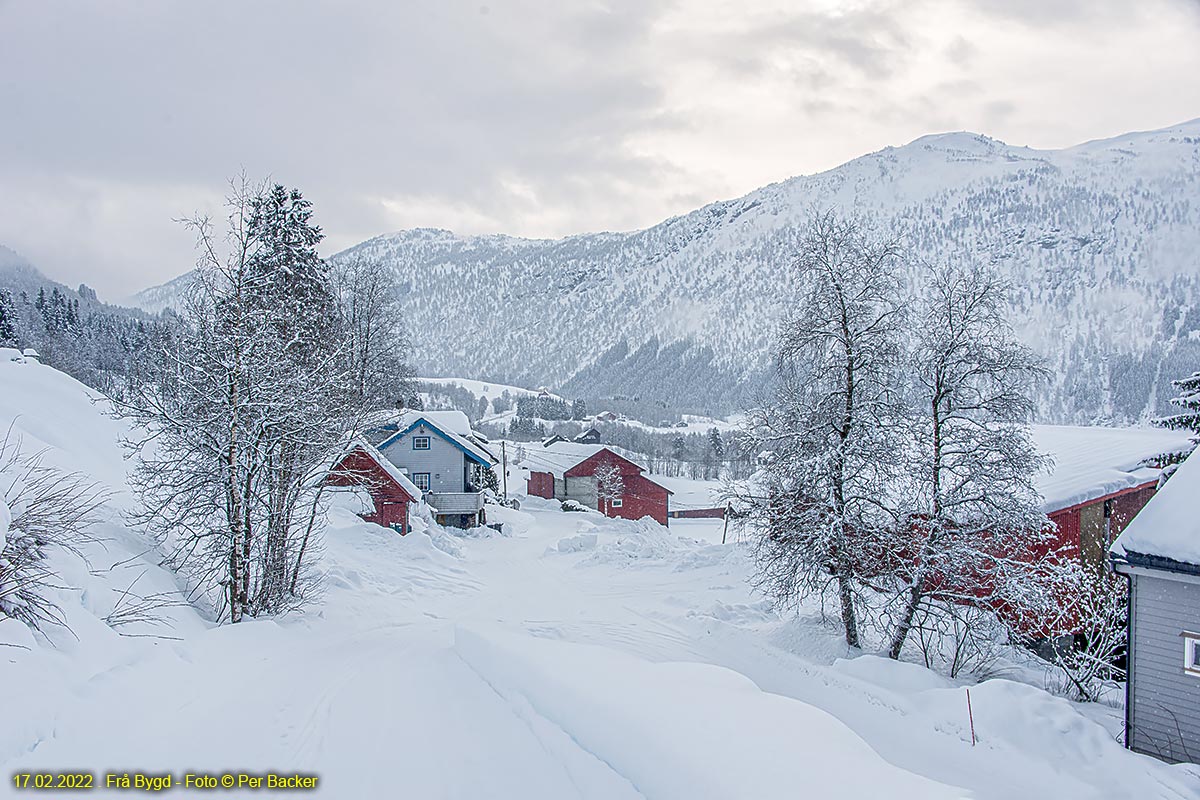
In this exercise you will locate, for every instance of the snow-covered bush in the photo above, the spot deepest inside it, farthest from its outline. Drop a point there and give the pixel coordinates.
(40, 508)
(1096, 613)
(574, 505)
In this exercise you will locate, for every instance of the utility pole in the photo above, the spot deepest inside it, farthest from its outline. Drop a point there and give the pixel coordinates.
(504, 467)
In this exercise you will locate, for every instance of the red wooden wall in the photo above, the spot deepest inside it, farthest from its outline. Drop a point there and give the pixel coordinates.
(541, 484)
(356, 468)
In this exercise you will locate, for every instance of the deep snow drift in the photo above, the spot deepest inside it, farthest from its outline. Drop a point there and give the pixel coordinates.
(571, 657)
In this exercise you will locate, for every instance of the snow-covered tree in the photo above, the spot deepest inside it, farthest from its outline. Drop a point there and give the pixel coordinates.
(1093, 618)
(974, 525)
(373, 317)
(610, 485)
(254, 391)
(832, 424)
(8, 320)
(715, 454)
(1188, 419)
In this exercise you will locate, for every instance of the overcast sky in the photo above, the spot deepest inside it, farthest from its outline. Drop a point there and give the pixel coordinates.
(528, 118)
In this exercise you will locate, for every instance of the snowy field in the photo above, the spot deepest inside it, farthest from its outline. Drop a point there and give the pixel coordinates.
(572, 657)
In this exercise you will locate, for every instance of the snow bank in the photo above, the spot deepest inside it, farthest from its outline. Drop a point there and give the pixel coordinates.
(685, 730)
(578, 543)
(57, 415)
(1014, 720)
(898, 676)
(628, 541)
(513, 521)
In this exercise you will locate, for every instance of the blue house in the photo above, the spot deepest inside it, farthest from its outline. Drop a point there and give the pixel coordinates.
(444, 458)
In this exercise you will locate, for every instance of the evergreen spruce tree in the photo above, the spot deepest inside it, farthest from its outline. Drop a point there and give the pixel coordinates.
(1188, 419)
(8, 321)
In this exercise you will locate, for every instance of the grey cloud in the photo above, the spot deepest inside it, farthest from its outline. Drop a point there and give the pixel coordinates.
(520, 116)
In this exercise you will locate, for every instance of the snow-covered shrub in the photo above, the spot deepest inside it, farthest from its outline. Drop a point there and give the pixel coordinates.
(574, 505)
(1095, 613)
(40, 508)
(960, 638)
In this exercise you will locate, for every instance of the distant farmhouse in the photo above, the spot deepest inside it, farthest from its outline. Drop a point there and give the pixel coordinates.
(1160, 553)
(571, 471)
(444, 458)
(589, 436)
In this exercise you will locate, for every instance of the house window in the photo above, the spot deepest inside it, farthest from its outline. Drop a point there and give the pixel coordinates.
(617, 503)
(1191, 653)
(421, 481)
(420, 443)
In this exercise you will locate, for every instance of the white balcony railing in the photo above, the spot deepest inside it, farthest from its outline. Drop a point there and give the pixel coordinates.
(455, 502)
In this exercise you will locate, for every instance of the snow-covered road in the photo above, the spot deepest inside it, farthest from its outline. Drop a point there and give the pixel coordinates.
(639, 667)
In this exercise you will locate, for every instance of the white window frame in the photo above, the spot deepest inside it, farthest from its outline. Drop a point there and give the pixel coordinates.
(617, 502)
(417, 478)
(424, 439)
(1191, 653)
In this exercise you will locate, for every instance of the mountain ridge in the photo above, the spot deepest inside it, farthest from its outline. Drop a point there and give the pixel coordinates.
(1099, 240)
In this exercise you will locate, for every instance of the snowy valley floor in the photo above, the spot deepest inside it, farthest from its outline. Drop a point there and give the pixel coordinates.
(577, 657)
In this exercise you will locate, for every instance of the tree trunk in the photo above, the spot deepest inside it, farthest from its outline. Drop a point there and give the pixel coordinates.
(906, 619)
(849, 618)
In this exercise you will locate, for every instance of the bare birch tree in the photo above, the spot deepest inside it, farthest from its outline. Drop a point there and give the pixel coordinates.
(830, 429)
(374, 324)
(975, 531)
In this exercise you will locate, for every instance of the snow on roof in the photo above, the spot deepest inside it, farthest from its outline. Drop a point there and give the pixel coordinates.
(1091, 462)
(559, 457)
(454, 425)
(1168, 526)
(455, 422)
(393, 472)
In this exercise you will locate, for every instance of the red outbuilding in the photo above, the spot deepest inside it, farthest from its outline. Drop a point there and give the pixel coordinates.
(390, 490)
(599, 478)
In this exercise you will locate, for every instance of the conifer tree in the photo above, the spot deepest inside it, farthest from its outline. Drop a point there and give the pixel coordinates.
(8, 320)
(1188, 401)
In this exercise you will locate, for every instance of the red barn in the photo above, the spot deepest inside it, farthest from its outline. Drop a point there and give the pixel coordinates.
(577, 472)
(1100, 479)
(391, 491)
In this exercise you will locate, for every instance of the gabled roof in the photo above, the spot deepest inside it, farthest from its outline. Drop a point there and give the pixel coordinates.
(561, 457)
(1166, 533)
(472, 449)
(629, 467)
(391, 470)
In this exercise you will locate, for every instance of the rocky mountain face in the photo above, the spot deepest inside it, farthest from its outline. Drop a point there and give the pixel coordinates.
(1100, 241)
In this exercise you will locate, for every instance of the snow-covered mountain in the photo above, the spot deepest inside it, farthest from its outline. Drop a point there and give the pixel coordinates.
(1101, 241)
